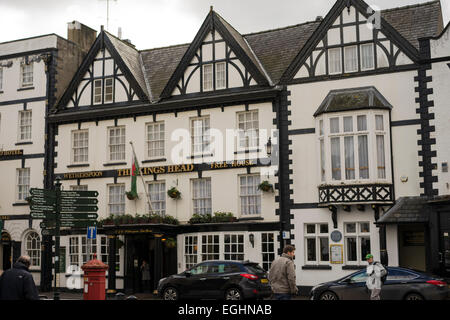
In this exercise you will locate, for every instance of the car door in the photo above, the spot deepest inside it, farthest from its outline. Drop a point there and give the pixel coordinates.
(194, 283)
(353, 287)
(217, 279)
(398, 283)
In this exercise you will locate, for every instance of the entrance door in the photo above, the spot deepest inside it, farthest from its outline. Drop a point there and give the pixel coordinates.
(6, 251)
(444, 253)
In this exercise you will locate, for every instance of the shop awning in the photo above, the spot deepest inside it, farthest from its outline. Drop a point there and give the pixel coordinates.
(407, 210)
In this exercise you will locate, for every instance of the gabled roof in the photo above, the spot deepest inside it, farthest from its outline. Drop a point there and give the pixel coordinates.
(394, 35)
(353, 99)
(126, 57)
(234, 40)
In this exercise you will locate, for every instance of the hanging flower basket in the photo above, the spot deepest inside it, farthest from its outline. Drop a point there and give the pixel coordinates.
(131, 195)
(266, 186)
(171, 243)
(174, 193)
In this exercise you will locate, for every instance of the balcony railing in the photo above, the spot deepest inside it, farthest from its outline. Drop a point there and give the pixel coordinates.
(356, 194)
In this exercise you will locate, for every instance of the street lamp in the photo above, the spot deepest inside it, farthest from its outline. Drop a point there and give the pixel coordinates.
(269, 147)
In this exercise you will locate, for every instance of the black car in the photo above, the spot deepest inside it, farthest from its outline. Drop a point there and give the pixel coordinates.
(400, 284)
(229, 280)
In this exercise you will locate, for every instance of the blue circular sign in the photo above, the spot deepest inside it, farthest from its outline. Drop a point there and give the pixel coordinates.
(336, 236)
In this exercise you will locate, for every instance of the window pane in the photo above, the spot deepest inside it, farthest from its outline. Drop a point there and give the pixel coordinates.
(362, 123)
(324, 250)
(381, 166)
(324, 228)
(365, 246)
(311, 228)
(208, 77)
(363, 153)
(364, 227)
(348, 124)
(336, 158)
(220, 75)
(351, 59)
(349, 158)
(350, 227)
(367, 57)
(351, 249)
(379, 125)
(322, 160)
(335, 60)
(334, 125)
(311, 249)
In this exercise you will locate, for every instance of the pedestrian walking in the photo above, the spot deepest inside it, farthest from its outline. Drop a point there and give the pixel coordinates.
(17, 283)
(282, 275)
(145, 271)
(375, 272)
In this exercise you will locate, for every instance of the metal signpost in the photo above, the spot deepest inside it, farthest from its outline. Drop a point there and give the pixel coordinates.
(66, 209)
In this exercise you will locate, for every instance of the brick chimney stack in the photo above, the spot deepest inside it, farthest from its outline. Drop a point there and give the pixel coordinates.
(80, 34)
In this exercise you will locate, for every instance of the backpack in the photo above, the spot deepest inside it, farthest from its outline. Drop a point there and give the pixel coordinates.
(384, 272)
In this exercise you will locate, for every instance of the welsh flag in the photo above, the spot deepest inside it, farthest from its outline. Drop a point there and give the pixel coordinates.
(134, 174)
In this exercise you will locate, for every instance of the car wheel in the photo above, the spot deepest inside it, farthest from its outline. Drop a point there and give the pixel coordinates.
(414, 296)
(233, 294)
(170, 293)
(328, 295)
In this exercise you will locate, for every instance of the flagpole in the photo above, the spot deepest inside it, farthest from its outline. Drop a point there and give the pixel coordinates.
(142, 178)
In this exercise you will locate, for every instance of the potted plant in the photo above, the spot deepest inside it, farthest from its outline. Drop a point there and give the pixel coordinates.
(174, 193)
(131, 195)
(265, 186)
(171, 243)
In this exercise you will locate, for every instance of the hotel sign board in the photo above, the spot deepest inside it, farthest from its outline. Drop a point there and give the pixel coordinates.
(10, 154)
(176, 168)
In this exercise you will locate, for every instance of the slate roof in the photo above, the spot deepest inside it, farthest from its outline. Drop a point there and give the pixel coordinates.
(406, 210)
(416, 21)
(353, 99)
(271, 51)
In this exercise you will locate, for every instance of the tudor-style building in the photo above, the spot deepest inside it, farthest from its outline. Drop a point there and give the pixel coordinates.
(346, 101)
(33, 73)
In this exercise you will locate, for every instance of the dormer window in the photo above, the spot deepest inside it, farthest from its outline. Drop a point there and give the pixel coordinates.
(353, 137)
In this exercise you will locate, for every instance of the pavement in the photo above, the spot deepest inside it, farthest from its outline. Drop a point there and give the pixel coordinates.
(139, 296)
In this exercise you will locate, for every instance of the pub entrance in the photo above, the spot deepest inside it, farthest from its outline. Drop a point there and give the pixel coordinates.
(444, 243)
(152, 248)
(412, 248)
(5, 252)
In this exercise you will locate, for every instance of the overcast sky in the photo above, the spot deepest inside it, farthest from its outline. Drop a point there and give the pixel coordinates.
(156, 23)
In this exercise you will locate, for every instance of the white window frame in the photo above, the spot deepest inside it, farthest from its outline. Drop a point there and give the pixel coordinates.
(354, 62)
(157, 200)
(98, 94)
(248, 130)
(371, 133)
(83, 157)
(109, 90)
(208, 79)
(205, 250)
(204, 136)
(358, 235)
(26, 75)
(200, 200)
(235, 248)
(155, 145)
(191, 251)
(32, 242)
(268, 253)
(372, 58)
(116, 148)
(330, 63)
(23, 184)
(25, 126)
(316, 237)
(221, 76)
(1, 79)
(116, 203)
(245, 198)
(74, 251)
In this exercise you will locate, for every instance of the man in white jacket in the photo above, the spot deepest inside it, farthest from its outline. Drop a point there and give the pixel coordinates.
(375, 272)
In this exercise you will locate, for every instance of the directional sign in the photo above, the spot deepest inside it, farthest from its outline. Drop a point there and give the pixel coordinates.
(69, 224)
(42, 192)
(43, 215)
(77, 201)
(79, 216)
(42, 201)
(79, 194)
(42, 208)
(79, 209)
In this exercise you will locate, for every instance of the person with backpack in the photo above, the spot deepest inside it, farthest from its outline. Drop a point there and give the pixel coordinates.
(376, 277)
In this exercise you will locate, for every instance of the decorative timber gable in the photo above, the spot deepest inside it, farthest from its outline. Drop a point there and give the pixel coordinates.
(352, 38)
(218, 58)
(109, 75)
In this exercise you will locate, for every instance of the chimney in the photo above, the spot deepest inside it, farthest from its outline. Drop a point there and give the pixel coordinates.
(319, 18)
(80, 34)
(119, 33)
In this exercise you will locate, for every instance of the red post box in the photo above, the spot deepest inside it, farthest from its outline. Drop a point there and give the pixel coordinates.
(94, 279)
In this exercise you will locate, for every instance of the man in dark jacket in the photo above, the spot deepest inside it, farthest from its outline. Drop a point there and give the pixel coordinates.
(282, 275)
(17, 283)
